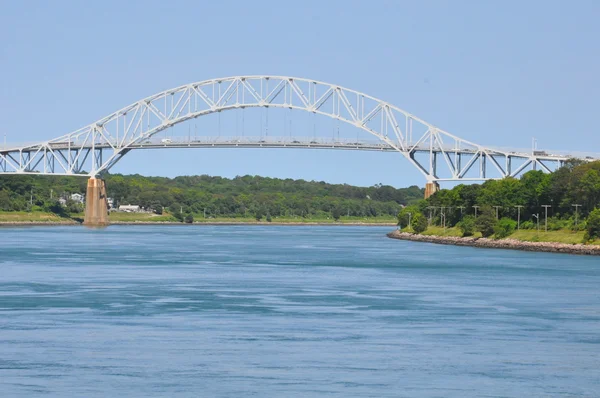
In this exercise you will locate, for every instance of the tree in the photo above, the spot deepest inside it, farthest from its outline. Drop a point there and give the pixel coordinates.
(419, 223)
(486, 222)
(189, 219)
(178, 216)
(258, 215)
(592, 230)
(406, 215)
(336, 213)
(5, 202)
(504, 228)
(55, 207)
(467, 225)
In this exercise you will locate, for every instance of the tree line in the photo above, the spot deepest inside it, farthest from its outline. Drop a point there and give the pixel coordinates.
(243, 196)
(570, 197)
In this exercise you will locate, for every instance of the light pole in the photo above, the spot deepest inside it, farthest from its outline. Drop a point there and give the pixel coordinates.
(409, 215)
(537, 216)
(519, 216)
(576, 213)
(476, 207)
(497, 207)
(546, 217)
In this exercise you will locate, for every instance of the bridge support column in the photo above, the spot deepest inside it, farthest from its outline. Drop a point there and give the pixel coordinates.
(430, 188)
(96, 209)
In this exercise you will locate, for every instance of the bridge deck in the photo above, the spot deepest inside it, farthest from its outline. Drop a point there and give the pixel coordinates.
(300, 143)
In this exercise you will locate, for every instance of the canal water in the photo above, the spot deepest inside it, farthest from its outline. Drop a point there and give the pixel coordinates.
(275, 311)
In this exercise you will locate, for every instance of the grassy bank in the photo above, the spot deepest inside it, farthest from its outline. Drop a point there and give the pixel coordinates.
(525, 235)
(33, 217)
(116, 217)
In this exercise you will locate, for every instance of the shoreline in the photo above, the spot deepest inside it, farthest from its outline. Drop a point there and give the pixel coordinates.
(507, 244)
(212, 223)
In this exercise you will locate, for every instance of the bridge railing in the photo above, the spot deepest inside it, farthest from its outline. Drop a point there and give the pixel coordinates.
(233, 140)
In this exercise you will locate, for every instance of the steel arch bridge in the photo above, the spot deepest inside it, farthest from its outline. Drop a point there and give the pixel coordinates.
(95, 148)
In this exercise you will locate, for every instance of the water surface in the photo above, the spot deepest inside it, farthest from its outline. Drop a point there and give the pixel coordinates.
(237, 311)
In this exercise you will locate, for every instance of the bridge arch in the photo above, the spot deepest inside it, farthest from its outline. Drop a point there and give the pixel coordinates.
(97, 147)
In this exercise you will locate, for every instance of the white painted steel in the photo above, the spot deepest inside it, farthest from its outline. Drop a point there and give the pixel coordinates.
(97, 147)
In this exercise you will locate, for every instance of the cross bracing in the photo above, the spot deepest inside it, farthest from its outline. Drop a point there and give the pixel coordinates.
(437, 154)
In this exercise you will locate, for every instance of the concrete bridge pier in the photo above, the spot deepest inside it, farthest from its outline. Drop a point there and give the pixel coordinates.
(96, 207)
(430, 188)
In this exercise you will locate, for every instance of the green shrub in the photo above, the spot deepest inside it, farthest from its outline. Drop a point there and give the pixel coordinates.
(467, 225)
(406, 216)
(592, 227)
(504, 228)
(419, 223)
(486, 222)
(189, 219)
(556, 224)
(528, 225)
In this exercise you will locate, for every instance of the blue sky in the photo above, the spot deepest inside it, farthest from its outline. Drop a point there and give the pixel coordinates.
(496, 73)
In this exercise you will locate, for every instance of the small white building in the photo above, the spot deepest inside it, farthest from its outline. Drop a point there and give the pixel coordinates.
(130, 208)
(62, 201)
(111, 203)
(77, 198)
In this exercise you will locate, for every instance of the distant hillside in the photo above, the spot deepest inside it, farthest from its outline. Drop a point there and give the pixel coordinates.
(240, 196)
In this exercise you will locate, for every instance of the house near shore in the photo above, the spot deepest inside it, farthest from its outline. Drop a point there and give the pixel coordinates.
(77, 198)
(130, 208)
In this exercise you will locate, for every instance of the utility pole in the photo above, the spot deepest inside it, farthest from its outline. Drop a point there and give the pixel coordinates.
(51, 193)
(497, 207)
(519, 216)
(443, 217)
(537, 216)
(576, 213)
(409, 218)
(461, 210)
(205, 212)
(476, 207)
(429, 221)
(546, 209)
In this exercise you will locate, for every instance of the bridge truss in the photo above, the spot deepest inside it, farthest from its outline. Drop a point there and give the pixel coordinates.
(95, 148)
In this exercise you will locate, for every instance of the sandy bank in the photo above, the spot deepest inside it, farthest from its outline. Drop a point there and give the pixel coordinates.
(513, 244)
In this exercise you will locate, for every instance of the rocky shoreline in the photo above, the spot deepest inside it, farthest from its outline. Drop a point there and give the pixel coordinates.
(511, 244)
